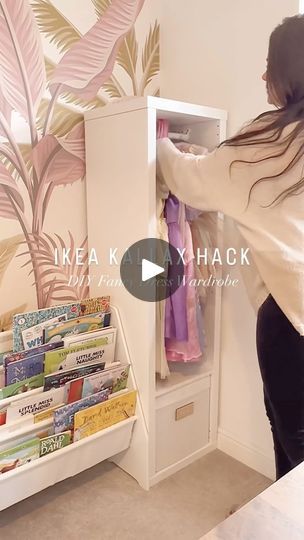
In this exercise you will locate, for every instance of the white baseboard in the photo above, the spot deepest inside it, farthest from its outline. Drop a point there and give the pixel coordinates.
(250, 456)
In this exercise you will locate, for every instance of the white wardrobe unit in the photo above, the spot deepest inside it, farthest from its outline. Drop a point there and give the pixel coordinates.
(177, 418)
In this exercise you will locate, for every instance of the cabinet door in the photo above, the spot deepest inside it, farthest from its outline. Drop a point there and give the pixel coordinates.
(182, 428)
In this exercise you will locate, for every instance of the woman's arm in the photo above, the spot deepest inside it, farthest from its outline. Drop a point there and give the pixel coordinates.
(202, 182)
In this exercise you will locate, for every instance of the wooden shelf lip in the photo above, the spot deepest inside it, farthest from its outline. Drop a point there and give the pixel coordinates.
(160, 104)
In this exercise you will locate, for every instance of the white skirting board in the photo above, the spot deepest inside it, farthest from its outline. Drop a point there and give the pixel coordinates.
(250, 456)
(29, 479)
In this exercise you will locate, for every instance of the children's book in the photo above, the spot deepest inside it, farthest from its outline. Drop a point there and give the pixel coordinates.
(104, 415)
(2, 416)
(116, 379)
(46, 414)
(99, 304)
(74, 356)
(33, 336)
(19, 455)
(64, 416)
(34, 404)
(57, 332)
(24, 369)
(54, 442)
(108, 334)
(60, 378)
(74, 389)
(23, 321)
(22, 386)
(14, 357)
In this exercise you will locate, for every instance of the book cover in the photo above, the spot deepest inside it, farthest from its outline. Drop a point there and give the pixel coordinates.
(24, 369)
(23, 321)
(54, 442)
(19, 455)
(2, 417)
(100, 304)
(34, 404)
(46, 414)
(108, 334)
(104, 415)
(58, 379)
(15, 356)
(22, 386)
(33, 336)
(116, 379)
(74, 390)
(64, 416)
(73, 356)
(57, 332)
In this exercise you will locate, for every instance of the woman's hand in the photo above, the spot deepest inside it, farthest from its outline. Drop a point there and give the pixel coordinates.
(188, 148)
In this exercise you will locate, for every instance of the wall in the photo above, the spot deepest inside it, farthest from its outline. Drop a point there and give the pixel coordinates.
(56, 62)
(213, 53)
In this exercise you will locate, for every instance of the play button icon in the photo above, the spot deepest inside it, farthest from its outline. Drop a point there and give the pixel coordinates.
(152, 270)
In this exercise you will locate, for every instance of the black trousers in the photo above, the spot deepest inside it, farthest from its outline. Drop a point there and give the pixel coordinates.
(280, 350)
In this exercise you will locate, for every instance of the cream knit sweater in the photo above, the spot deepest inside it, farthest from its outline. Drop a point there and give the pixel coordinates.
(275, 235)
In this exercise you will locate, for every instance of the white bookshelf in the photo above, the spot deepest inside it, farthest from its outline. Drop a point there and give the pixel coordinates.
(121, 209)
(22, 482)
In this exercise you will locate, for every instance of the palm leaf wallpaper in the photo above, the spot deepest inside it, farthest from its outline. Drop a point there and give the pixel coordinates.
(51, 71)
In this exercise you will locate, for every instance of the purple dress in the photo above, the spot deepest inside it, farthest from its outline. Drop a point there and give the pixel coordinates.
(176, 305)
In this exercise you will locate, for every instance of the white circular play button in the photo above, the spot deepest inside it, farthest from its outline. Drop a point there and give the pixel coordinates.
(152, 270)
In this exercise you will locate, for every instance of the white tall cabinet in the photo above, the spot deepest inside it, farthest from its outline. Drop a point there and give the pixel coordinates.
(177, 418)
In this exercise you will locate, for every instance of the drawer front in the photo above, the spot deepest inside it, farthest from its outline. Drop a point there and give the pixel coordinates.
(182, 428)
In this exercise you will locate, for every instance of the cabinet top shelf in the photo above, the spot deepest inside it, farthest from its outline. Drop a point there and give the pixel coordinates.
(165, 108)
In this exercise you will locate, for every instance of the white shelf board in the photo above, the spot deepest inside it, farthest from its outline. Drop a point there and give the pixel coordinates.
(176, 111)
(178, 380)
(46, 471)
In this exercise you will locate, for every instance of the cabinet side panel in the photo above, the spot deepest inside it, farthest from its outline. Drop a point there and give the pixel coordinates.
(120, 152)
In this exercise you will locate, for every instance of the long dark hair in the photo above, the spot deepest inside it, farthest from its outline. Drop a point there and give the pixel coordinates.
(285, 83)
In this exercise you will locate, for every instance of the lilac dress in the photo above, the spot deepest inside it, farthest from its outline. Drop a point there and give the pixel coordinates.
(176, 325)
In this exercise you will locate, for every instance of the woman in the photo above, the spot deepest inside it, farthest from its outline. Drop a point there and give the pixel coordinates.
(256, 178)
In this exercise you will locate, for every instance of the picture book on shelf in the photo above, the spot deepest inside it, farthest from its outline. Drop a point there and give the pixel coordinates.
(46, 414)
(116, 379)
(33, 336)
(108, 335)
(23, 321)
(64, 416)
(22, 386)
(15, 356)
(100, 304)
(34, 404)
(54, 442)
(74, 388)
(24, 369)
(2, 416)
(19, 455)
(57, 332)
(104, 415)
(74, 356)
(60, 378)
